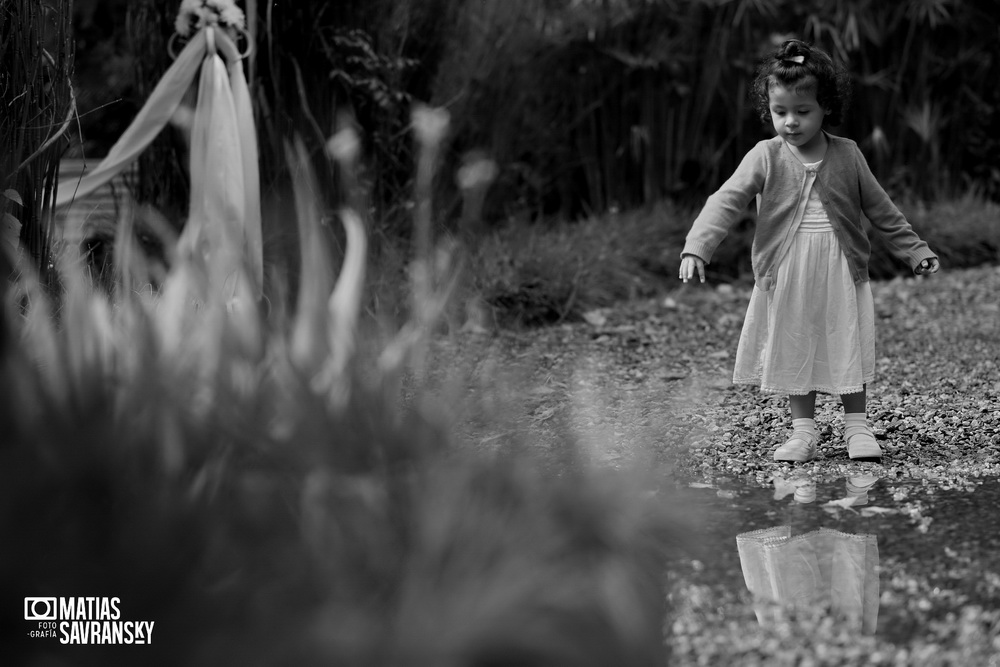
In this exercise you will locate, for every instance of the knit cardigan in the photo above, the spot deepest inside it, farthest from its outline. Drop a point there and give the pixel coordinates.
(845, 185)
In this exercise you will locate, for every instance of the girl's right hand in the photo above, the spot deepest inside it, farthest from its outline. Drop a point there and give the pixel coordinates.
(689, 265)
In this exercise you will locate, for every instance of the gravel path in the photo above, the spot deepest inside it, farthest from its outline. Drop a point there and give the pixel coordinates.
(650, 381)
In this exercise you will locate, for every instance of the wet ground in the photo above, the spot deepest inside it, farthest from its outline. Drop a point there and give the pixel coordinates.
(911, 562)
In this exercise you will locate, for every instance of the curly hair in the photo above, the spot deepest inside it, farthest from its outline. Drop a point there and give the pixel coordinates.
(798, 66)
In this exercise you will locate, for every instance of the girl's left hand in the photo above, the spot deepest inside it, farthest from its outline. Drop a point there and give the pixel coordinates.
(928, 266)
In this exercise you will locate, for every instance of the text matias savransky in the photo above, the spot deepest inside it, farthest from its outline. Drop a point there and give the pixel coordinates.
(85, 620)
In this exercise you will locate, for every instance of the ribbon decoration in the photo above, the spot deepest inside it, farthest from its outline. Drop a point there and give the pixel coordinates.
(224, 222)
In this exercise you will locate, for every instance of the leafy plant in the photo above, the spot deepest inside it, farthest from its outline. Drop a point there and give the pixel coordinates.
(36, 64)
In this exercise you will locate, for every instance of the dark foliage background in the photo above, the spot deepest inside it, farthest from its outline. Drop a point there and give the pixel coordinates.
(590, 106)
(624, 113)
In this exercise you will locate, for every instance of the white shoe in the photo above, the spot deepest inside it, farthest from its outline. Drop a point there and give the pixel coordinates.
(862, 445)
(800, 447)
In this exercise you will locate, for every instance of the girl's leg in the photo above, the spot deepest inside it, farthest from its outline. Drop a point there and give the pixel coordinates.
(802, 445)
(855, 403)
(858, 435)
(803, 407)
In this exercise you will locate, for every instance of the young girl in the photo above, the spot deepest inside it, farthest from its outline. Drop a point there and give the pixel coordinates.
(811, 319)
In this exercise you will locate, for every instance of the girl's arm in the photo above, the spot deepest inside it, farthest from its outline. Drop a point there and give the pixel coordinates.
(727, 205)
(890, 222)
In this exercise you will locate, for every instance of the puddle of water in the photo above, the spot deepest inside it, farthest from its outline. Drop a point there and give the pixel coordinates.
(891, 556)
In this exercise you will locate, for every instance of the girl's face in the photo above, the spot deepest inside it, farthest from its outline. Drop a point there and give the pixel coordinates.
(797, 116)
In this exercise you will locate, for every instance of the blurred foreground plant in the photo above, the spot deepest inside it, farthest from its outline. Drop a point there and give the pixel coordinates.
(255, 486)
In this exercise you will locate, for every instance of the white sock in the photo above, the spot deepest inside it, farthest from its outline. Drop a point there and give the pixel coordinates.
(805, 425)
(855, 422)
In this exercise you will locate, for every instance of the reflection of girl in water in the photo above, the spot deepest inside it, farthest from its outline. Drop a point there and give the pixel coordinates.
(805, 563)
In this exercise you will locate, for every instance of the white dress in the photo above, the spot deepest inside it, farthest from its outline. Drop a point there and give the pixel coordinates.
(815, 329)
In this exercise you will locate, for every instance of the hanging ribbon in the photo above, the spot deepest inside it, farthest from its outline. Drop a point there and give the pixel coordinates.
(224, 209)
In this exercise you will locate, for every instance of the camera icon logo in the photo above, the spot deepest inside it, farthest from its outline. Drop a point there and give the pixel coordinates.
(41, 609)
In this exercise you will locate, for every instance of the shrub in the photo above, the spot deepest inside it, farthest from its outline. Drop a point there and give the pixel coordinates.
(963, 231)
(531, 275)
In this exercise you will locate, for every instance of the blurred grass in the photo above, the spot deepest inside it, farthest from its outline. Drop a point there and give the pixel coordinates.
(272, 482)
(532, 275)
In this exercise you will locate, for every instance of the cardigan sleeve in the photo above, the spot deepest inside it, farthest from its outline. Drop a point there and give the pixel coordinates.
(727, 205)
(887, 219)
